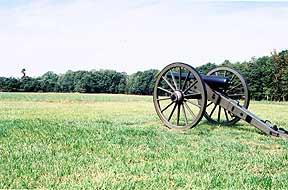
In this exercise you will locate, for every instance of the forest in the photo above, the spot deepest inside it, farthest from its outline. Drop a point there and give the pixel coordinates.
(267, 77)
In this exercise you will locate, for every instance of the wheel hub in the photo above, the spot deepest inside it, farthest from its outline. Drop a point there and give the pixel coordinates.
(177, 96)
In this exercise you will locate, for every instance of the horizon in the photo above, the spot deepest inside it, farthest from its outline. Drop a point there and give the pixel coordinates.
(61, 73)
(64, 35)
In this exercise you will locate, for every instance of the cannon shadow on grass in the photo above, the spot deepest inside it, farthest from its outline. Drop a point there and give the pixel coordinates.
(205, 128)
(238, 126)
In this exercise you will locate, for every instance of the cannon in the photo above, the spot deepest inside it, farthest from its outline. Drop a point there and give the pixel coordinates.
(182, 97)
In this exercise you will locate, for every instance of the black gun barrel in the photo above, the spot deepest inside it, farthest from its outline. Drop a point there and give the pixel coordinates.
(212, 80)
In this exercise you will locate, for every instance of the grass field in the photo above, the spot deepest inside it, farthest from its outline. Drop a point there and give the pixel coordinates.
(117, 142)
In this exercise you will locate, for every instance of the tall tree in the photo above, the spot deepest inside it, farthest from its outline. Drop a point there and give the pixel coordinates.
(280, 79)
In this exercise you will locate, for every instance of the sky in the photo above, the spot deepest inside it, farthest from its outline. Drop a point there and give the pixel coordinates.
(135, 35)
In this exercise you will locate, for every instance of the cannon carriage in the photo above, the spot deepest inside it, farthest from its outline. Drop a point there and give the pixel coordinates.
(182, 97)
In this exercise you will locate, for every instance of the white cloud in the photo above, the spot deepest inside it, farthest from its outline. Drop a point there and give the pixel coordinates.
(135, 35)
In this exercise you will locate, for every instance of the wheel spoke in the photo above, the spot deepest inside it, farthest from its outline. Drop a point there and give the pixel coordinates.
(233, 87)
(178, 114)
(180, 73)
(172, 112)
(185, 116)
(169, 84)
(192, 103)
(167, 98)
(232, 78)
(226, 115)
(213, 110)
(193, 96)
(193, 84)
(164, 90)
(188, 108)
(167, 107)
(209, 104)
(236, 82)
(219, 113)
(184, 85)
(174, 81)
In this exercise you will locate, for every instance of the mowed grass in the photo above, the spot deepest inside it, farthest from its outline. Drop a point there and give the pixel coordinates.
(117, 142)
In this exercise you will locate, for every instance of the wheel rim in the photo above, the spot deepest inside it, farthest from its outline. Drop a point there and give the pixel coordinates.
(238, 90)
(180, 102)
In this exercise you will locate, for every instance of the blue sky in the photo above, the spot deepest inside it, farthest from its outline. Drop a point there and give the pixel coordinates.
(55, 35)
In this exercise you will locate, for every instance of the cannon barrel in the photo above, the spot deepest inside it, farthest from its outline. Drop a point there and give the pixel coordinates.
(214, 81)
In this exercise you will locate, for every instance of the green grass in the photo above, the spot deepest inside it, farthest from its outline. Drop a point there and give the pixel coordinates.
(117, 142)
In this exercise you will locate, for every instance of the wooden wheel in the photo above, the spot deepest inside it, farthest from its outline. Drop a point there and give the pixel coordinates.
(179, 96)
(237, 90)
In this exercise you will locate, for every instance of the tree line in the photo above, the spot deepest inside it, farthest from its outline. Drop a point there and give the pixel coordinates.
(267, 77)
(102, 81)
